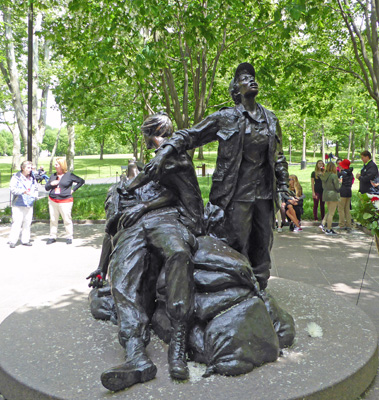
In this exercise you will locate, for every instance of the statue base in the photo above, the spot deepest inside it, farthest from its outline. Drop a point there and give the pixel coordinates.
(57, 350)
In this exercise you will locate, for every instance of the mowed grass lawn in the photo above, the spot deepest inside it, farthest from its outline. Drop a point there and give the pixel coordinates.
(87, 167)
(89, 200)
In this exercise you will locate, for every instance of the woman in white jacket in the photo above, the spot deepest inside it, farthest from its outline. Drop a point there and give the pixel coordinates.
(24, 189)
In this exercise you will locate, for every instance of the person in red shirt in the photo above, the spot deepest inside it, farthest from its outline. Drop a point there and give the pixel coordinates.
(61, 200)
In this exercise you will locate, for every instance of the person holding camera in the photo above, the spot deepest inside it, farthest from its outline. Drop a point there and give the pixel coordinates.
(24, 189)
(317, 189)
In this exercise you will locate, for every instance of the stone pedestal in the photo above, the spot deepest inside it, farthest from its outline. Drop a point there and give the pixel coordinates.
(56, 350)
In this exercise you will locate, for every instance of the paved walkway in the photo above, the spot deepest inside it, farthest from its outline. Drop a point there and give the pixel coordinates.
(336, 263)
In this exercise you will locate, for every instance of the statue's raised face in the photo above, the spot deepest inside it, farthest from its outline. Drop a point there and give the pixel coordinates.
(247, 85)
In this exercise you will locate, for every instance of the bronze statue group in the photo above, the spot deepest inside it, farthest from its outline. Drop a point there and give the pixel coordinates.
(197, 277)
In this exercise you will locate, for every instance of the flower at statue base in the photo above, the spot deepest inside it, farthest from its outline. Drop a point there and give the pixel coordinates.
(314, 330)
(374, 200)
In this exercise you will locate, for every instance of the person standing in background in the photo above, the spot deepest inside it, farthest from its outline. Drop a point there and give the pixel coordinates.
(344, 204)
(331, 186)
(24, 189)
(338, 165)
(368, 173)
(317, 189)
(61, 200)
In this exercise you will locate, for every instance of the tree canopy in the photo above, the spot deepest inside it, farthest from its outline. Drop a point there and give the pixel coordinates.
(114, 62)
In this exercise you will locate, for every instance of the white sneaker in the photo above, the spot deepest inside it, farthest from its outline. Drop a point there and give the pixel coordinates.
(279, 229)
(322, 227)
(297, 229)
(330, 232)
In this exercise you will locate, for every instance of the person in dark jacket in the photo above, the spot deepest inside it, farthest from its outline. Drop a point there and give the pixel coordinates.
(344, 204)
(61, 200)
(250, 170)
(368, 173)
(317, 190)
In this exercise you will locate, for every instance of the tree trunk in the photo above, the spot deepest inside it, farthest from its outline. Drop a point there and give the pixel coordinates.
(54, 150)
(102, 148)
(35, 141)
(373, 143)
(350, 134)
(322, 142)
(12, 78)
(352, 146)
(304, 154)
(337, 149)
(314, 143)
(349, 146)
(366, 140)
(16, 158)
(41, 126)
(201, 153)
(71, 147)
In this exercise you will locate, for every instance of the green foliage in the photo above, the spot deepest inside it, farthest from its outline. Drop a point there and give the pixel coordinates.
(88, 203)
(366, 213)
(6, 142)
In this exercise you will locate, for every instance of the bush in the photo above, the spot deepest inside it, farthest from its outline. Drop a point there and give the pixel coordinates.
(88, 203)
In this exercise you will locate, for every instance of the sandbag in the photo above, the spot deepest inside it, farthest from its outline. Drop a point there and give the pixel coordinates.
(196, 342)
(211, 281)
(283, 322)
(240, 339)
(160, 322)
(208, 305)
(215, 255)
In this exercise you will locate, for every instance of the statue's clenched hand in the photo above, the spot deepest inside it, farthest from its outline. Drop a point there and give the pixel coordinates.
(131, 216)
(96, 278)
(154, 168)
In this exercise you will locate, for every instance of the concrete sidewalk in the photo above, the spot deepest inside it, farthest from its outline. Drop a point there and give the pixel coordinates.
(32, 274)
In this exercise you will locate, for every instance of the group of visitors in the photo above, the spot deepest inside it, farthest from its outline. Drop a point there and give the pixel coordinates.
(24, 189)
(332, 185)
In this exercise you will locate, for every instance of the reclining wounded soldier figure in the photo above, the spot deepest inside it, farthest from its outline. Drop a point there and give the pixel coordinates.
(155, 220)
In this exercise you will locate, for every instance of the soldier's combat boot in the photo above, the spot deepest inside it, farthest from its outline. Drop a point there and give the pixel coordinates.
(137, 368)
(177, 352)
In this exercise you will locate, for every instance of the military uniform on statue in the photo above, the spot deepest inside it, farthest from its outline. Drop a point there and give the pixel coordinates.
(250, 170)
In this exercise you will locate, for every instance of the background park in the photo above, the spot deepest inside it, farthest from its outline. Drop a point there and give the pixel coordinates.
(105, 66)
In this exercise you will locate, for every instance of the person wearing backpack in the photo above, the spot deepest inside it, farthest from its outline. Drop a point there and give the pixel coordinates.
(344, 204)
(331, 188)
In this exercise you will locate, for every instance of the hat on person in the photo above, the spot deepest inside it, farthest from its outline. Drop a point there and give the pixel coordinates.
(244, 68)
(345, 164)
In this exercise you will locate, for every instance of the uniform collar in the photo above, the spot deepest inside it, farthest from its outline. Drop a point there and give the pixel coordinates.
(241, 110)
